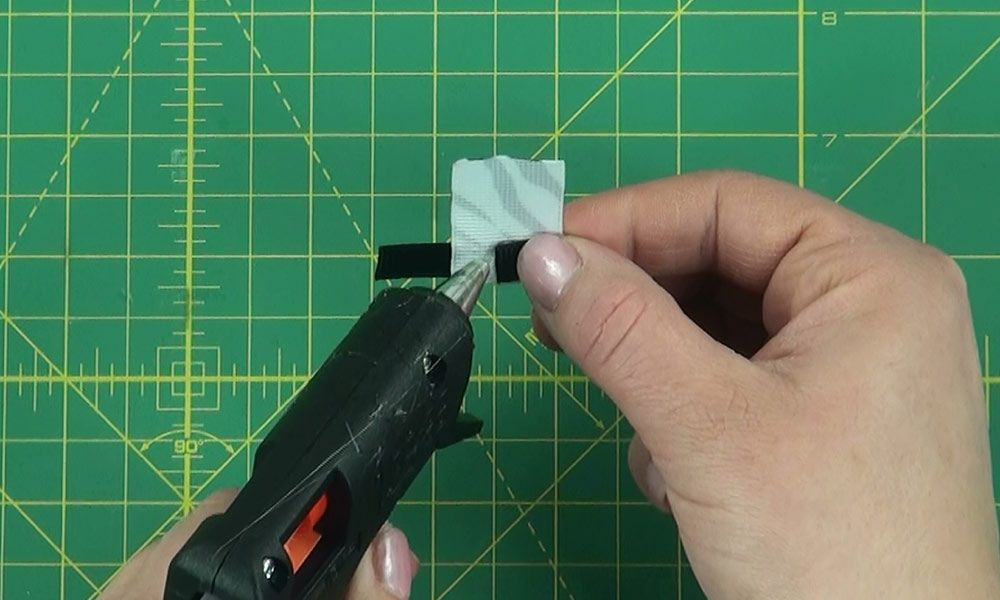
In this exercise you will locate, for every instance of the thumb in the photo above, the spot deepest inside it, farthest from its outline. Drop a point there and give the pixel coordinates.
(630, 336)
(387, 569)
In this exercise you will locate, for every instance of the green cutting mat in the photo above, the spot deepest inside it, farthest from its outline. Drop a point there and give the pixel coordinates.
(194, 188)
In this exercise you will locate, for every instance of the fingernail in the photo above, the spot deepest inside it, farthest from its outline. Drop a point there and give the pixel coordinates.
(546, 264)
(395, 564)
(656, 487)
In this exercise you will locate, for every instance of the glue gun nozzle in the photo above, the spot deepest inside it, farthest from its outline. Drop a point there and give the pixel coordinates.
(466, 284)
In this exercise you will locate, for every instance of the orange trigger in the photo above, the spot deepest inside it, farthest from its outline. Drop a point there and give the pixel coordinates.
(305, 537)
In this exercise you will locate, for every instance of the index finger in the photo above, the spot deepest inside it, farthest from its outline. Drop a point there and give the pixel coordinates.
(736, 224)
(763, 235)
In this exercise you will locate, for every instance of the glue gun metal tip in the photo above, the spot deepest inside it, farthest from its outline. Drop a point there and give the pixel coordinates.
(466, 284)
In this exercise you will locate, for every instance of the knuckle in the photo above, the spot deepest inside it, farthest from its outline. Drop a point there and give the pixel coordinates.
(935, 279)
(730, 175)
(918, 272)
(949, 271)
(613, 323)
(732, 182)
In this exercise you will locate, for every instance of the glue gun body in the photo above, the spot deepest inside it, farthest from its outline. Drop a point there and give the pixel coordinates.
(329, 473)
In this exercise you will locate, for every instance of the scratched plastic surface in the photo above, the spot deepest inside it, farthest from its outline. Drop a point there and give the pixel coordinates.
(230, 165)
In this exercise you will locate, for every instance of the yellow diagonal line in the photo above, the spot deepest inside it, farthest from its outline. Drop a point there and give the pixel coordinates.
(246, 443)
(83, 128)
(48, 540)
(306, 137)
(149, 540)
(614, 77)
(541, 367)
(916, 122)
(531, 528)
(69, 382)
(529, 508)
